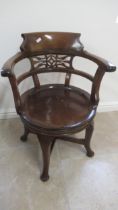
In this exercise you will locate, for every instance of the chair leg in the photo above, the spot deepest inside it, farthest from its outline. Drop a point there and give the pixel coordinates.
(88, 135)
(25, 135)
(52, 145)
(46, 144)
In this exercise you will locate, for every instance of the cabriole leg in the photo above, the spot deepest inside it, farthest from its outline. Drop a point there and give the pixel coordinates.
(88, 135)
(46, 143)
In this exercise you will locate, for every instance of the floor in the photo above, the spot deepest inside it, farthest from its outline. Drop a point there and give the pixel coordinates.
(76, 181)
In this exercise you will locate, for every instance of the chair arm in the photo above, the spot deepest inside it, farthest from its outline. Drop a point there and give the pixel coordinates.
(104, 64)
(7, 69)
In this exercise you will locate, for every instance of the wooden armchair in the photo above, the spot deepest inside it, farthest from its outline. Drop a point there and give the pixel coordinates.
(53, 111)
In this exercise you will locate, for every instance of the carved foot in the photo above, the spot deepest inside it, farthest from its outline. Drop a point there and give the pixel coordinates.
(23, 138)
(88, 135)
(90, 153)
(44, 178)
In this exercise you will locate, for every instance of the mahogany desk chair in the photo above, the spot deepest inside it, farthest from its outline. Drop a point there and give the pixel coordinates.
(55, 110)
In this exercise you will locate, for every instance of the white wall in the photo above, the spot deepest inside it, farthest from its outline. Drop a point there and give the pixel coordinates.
(95, 19)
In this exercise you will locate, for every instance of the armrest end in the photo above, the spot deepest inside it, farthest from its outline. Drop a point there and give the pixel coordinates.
(6, 73)
(110, 67)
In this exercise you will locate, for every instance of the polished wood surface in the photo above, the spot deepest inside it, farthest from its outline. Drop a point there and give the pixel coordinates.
(51, 42)
(55, 110)
(57, 107)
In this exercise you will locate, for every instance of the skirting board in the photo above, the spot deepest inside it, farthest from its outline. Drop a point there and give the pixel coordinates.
(8, 115)
(103, 107)
(108, 106)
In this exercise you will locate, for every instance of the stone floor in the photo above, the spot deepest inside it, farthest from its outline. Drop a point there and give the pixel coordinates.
(76, 181)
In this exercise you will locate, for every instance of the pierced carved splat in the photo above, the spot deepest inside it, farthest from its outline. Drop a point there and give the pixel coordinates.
(51, 61)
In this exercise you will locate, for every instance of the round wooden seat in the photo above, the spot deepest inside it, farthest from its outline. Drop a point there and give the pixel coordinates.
(57, 107)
